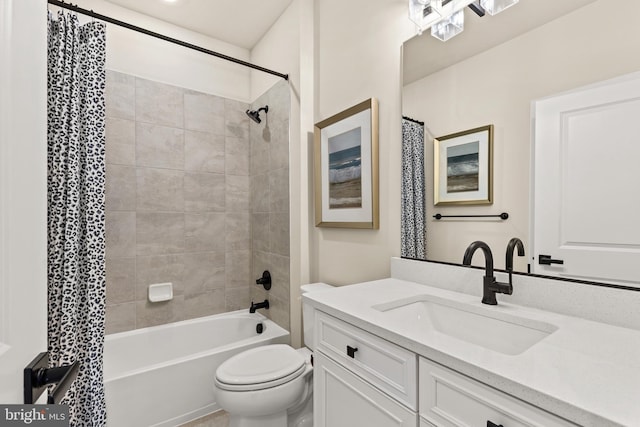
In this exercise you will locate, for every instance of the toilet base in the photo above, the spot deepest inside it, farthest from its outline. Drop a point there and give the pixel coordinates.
(303, 416)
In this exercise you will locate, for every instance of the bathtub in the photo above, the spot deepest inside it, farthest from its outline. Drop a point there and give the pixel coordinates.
(163, 375)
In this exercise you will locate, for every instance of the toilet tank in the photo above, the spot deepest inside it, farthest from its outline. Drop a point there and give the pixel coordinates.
(308, 311)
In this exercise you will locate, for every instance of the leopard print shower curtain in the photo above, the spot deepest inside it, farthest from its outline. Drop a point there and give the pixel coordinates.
(76, 221)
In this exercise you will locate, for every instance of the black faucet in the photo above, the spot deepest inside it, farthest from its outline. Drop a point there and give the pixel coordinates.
(508, 263)
(264, 304)
(490, 286)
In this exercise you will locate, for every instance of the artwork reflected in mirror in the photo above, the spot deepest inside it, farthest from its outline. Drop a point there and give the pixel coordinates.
(462, 168)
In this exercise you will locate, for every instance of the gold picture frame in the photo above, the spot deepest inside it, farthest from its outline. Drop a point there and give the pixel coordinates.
(463, 168)
(346, 168)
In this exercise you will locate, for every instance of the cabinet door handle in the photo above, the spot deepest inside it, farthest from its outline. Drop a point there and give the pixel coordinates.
(351, 351)
(547, 260)
(490, 424)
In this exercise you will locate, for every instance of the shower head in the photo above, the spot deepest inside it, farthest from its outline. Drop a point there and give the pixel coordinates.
(255, 114)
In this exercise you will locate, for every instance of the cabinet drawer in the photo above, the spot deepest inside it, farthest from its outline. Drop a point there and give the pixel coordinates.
(343, 399)
(450, 399)
(391, 368)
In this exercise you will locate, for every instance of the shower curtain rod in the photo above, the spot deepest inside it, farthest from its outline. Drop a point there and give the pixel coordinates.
(104, 18)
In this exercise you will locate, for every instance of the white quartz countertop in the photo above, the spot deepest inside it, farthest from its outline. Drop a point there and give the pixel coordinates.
(586, 372)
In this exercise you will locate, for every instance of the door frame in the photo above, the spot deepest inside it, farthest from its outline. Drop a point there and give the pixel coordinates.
(23, 190)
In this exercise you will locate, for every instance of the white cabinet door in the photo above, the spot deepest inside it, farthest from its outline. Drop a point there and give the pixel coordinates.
(342, 399)
(586, 201)
(424, 423)
(23, 190)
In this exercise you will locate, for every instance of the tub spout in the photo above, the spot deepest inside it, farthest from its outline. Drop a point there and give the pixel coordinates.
(255, 306)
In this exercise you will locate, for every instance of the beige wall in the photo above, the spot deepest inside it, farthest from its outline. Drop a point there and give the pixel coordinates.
(144, 56)
(359, 57)
(338, 54)
(278, 50)
(497, 87)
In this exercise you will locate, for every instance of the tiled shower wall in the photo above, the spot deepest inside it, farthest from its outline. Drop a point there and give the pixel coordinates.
(270, 200)
(177, 203)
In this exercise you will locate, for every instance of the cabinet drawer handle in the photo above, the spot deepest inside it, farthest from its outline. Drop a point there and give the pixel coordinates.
(490, 424)
(351, 351)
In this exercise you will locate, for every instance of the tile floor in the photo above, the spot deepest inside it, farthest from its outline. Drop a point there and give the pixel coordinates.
(217, 419)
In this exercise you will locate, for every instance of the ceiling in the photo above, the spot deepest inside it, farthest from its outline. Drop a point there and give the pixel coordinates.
(239, 22)
(424, 55)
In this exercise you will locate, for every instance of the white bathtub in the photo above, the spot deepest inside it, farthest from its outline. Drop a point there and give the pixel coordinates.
(163, 375)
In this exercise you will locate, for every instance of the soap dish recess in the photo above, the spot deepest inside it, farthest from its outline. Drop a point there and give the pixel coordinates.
(160, 292)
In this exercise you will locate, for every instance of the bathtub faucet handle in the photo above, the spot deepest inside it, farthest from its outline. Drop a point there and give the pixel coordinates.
(265, 280)
(255, 306)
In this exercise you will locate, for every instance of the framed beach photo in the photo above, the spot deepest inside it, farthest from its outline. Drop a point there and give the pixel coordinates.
(463, 168)
(346, 168)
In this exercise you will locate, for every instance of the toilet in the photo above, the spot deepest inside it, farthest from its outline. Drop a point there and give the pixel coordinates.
(272, 385)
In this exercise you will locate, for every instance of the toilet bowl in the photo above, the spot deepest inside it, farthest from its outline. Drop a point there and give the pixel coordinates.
(270, 386)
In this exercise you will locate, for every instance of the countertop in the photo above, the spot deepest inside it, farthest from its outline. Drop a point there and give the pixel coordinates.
(586, 372)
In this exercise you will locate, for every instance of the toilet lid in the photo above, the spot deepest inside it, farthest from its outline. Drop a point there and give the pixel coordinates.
(260, 365)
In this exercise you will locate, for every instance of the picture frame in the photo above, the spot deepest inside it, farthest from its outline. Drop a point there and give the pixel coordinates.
(346, 168)
(463, 168)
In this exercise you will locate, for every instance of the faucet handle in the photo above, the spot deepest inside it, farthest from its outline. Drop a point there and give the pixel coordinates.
(265, 280)
(503, 288)
(508, 289)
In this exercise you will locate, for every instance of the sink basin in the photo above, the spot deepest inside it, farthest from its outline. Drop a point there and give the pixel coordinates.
(489, 328)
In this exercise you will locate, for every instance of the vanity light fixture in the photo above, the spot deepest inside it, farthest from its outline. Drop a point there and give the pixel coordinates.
(446, 17)
(496, 6)
(448, 27)
(425, 13)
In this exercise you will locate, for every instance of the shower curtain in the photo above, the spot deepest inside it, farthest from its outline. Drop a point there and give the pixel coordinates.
(412, 227)
(76, 233)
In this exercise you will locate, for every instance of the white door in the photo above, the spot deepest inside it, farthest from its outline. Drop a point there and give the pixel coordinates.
(23, 191)
(342, 399)
(586, 196)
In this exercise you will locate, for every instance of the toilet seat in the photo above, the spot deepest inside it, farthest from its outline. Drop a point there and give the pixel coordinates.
(260, 368)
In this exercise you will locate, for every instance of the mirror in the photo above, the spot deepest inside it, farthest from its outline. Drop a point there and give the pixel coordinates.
(490, 75)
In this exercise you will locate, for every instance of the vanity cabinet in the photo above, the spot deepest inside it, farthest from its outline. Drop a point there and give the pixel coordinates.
(362, 379)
